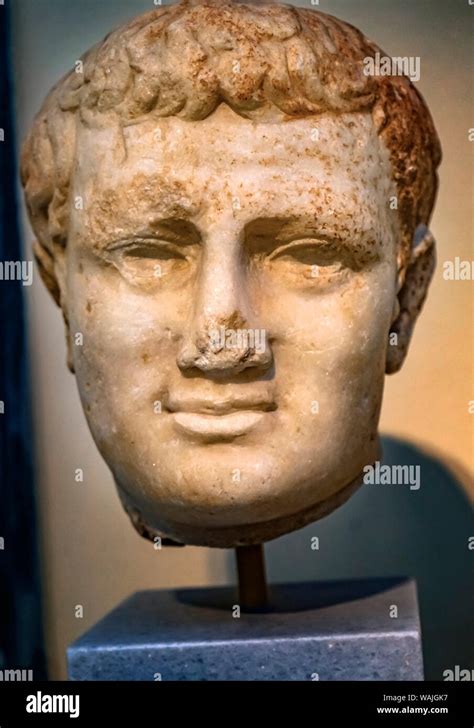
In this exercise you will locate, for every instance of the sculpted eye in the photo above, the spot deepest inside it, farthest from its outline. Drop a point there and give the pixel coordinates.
(147, 260)
(154, 250)
(310, 258)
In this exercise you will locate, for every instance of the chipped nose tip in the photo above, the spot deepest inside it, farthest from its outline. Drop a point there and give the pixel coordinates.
(224, 361)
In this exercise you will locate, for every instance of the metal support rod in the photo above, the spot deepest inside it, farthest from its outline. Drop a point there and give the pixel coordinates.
(253, 593)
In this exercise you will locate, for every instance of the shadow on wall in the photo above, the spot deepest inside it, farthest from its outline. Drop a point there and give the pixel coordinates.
(395, 530)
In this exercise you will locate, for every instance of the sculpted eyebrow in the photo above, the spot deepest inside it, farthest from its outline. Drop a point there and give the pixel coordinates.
(175, 230)
(265, 234)
(179, 230)
(148, 201)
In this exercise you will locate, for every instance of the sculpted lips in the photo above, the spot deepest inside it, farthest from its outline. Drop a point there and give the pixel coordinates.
(219, 419)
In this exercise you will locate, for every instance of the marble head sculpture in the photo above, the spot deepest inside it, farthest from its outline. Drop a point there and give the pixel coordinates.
(233, 218)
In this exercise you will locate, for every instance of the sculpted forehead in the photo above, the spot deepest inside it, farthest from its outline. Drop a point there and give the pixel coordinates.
(324, 165)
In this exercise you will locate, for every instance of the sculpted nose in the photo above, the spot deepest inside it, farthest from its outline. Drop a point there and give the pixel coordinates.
(223, 338)
(225, 345)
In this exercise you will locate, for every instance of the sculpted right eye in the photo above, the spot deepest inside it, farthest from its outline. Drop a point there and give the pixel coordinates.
(147, 260)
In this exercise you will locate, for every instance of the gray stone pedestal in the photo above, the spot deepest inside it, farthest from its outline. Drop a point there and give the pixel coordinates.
(350, 630)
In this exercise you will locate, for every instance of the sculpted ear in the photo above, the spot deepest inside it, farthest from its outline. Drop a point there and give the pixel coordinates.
(411, 297)
(45, 263)
(53, 274)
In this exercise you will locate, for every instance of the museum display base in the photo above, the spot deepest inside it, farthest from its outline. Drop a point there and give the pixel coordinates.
(351, 630)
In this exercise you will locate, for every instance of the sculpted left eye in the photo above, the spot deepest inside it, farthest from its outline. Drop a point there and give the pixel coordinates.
(323, 257)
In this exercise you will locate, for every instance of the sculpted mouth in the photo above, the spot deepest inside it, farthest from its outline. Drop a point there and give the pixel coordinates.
(218, 426)
(212, 419)
(218, 407)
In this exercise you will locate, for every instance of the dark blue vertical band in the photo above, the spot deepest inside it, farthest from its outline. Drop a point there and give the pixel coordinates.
(21, 641)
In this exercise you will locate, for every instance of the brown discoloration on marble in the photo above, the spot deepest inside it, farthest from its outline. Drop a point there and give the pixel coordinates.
(208, 204)
(180, 60)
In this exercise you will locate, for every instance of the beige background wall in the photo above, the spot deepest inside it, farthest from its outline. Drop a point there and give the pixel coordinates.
(91, 556)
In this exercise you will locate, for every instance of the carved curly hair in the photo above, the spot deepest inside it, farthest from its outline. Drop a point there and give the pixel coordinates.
(266, 61)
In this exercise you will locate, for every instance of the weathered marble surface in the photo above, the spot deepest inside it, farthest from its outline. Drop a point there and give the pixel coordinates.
(213, 193)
